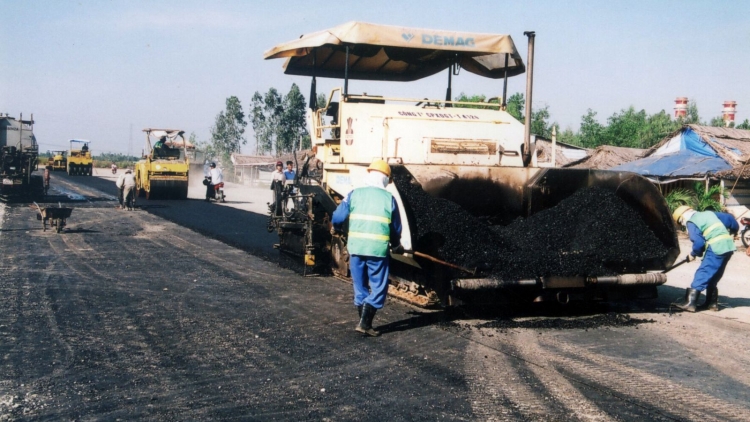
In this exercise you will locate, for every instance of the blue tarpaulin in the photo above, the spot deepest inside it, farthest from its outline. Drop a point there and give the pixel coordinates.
(694, 157)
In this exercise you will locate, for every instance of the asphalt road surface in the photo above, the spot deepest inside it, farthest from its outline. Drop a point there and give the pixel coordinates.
(176, 311)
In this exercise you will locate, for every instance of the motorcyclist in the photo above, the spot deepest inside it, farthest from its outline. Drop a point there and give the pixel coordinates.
(216, 181)
(114, 168)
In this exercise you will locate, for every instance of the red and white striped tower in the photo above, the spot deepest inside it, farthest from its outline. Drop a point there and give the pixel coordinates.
(730, 109)
(680, 107)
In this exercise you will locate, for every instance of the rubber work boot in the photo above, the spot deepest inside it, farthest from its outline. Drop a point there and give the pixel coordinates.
(690, 302)
(359, 311)
(712, 300)
(365, 323)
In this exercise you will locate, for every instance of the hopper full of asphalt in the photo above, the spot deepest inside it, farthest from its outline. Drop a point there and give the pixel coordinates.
(593, 232)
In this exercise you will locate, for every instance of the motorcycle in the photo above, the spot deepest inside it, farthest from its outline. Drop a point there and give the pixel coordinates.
(745, 231)
(215, 192)
(114, 169)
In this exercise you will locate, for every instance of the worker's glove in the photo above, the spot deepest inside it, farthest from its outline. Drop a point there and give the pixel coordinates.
(690, 258)
(398, 249)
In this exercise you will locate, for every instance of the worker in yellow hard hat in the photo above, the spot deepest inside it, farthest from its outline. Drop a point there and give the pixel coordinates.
(712, 236)
(374, 223)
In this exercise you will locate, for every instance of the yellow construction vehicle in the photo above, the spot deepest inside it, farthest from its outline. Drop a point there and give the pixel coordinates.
(162, 173)
(465, 171)
(59, 160)
(80, 162)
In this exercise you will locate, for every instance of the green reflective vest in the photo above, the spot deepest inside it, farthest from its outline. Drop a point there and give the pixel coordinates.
(369, 222)
(713, 230)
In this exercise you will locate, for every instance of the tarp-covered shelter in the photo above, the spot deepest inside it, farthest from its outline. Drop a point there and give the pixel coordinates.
(393, 53)
(693, 151)
(249, 166)
(564, 154)
(713, 155)
(604, 157)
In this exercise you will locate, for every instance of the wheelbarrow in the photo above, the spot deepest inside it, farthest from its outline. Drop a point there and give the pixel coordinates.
(55, 215)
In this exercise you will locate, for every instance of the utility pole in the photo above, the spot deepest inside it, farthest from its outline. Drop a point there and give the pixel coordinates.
(130, 141)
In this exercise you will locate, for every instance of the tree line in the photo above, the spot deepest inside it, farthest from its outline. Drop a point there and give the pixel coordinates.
(627, 128)
(279, 123)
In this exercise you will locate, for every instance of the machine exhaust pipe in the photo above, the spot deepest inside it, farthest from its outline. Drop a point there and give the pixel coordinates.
(485, 284)
(529, 85)
(480, 284)
(653, 279)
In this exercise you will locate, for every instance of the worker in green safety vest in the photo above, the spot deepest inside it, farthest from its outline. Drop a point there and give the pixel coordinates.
(712, 234)
(374, 223)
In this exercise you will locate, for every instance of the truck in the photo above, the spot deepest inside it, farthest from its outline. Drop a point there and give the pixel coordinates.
(19, 158)
(163, 170)
(473, 162)
(79, 160)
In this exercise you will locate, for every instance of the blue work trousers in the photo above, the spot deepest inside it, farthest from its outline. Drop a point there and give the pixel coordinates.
(370, 279)
(711, 270)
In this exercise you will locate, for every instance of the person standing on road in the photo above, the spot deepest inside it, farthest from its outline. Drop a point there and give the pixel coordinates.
(712, 235)
(217, 181)
(119, 184)
(278, 179)
(374, 221)
(128, 189)
(289, 173)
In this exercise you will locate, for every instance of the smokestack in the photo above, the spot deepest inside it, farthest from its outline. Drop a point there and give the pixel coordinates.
(680, 107)
(730, 109)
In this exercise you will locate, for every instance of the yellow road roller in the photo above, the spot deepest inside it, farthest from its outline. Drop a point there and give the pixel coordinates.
(80, 162)
(59, 160)
(162, 172)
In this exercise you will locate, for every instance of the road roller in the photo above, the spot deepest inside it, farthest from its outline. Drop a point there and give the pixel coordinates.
(469, 188)
(79, 161)
(162, 172)
(58, 160)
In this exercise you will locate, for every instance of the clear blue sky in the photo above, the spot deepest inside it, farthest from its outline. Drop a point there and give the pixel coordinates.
(92, 69)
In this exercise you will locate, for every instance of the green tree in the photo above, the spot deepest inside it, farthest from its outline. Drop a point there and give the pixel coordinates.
(279, 122)
(591, 130)
(692, 117)
(717, 122)
(322, 100)
(292, 128)
(266, 114)
(568, 136)
(658, 126)
(229, 128)
(625, 129)
(471, 99)
(515, 106)
(539, 122)
(744, 125)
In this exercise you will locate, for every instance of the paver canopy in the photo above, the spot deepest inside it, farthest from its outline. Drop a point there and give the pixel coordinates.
(393, 53)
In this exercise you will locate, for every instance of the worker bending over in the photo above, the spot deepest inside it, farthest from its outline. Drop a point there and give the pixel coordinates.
(712, 234)
(374, 221)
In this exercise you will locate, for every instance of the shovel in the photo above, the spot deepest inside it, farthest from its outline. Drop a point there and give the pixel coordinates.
(675, 266)
(447, 264)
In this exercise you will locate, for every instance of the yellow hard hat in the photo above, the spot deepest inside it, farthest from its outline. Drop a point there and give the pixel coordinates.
(381, 166)
(682, 209)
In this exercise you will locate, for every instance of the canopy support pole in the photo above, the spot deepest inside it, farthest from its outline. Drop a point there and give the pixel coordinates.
(313, 85)
(504, 104)
(346, 74)
(529, 83)
(448, 94)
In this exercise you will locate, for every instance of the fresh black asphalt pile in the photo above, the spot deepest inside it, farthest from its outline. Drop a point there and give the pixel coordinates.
(591, 233)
